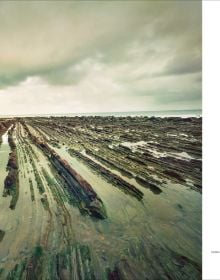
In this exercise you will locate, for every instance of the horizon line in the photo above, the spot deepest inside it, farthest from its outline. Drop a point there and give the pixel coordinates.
(100, 112)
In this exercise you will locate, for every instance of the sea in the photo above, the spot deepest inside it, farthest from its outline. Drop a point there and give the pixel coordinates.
(161, 114)
(173, 113)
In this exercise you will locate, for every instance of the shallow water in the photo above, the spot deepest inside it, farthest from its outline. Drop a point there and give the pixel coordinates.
(21, 225)
(172, 219)
(4, 152)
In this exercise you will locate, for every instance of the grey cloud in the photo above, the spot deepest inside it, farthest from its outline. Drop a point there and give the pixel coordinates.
(136, 48)
(173, 97)
(185, 64)
(47, 35)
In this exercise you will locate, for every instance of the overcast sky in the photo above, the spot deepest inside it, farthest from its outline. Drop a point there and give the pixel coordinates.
(96, 56)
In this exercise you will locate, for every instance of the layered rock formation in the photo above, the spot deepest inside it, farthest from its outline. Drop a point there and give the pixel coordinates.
(81, 189)
(11, 185)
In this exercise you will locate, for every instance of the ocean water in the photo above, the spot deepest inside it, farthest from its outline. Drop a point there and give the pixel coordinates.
(173, 113)
(162, 114)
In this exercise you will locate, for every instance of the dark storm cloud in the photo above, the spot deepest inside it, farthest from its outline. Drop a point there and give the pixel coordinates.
(124, 52)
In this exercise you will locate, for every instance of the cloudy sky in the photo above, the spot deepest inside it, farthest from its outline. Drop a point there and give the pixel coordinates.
(99, 56)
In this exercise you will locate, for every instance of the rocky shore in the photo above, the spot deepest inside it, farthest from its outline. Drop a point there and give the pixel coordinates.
(11, 185)
(87, 198)
(152, 150)
(112, 198)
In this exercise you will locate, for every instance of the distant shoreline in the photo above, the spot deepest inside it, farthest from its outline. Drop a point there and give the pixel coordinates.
(161, 114)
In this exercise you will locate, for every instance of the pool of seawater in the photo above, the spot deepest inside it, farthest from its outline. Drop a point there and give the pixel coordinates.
(21, 225)
(171, 219)
(4, 152)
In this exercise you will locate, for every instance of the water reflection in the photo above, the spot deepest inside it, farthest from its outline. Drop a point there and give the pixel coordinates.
(172, 219)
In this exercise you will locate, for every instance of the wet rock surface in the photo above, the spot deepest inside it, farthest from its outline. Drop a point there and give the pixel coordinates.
(166, 148)
(4, 126)
(11, 184)
(102, 198)
(81, 189)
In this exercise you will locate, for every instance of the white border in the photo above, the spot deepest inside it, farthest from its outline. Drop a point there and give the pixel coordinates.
(211, 140)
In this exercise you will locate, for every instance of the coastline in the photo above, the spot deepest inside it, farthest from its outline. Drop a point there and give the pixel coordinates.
(157, 114)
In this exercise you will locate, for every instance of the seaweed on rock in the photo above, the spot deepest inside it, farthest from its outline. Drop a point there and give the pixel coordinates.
(88, 200)
(11, 184)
